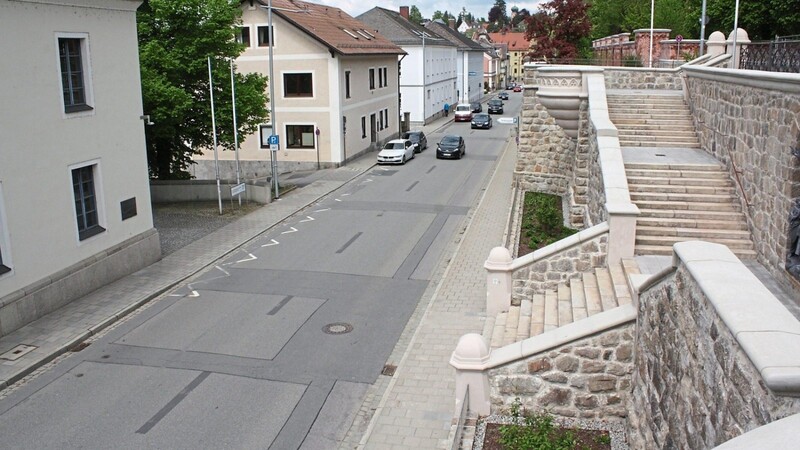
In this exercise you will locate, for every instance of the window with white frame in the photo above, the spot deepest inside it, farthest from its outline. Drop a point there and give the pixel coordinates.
(87, 210)
(299, 136)
(5, 257)
(298, 85)
(243, 36)
(73, 61)
(385, 77)
(264, 36)
(363, 127)
(372, 78)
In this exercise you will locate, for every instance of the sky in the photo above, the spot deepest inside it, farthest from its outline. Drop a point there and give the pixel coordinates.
(478, 8)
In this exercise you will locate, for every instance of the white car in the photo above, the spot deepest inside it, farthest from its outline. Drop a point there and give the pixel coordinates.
(396, 151)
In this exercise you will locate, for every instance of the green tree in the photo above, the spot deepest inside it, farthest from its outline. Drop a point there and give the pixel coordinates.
(559, 29)
(763, 20)
(414, 15)
(175, 39)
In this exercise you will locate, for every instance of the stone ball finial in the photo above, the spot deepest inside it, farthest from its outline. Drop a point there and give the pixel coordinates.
(741, 35)
(471, 350)
(499, 258)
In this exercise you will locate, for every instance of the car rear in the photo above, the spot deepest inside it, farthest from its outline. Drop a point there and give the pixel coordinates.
(463, 112)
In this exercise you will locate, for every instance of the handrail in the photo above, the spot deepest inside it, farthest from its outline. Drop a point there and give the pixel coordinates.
(736, 171)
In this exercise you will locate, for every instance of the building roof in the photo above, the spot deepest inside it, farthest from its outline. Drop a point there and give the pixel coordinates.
(400, 30)
(516, 40)
(333, 28)
(454, 36)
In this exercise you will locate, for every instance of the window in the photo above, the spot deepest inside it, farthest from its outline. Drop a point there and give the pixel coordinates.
(380, 120)
(243, 36)
(297, 85)
(363, 127)
(85, 202)
(380, 78)
(385, 77)
(372, 78)
(264, 36)
(299, 136)
(73, 76)
(347, 84)
(386, 114)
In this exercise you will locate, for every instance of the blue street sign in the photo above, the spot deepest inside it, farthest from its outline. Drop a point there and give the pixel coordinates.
(273, 139)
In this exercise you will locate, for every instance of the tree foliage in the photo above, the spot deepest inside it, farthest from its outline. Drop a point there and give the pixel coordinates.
(175, 39)
(559, 29)
(498, 16)
(414, 15)
(518, 22)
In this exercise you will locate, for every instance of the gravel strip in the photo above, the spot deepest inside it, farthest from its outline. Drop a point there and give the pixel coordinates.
(615, 429)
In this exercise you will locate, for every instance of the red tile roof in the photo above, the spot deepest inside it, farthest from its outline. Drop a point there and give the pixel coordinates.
(334, 28)
(516, 40)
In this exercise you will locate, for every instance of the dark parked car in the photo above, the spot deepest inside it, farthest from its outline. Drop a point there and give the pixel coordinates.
(510, 86)
(418, 138)
(476, 107)
(503, 96)
(495, 106)
(482, 121)
(451, 146)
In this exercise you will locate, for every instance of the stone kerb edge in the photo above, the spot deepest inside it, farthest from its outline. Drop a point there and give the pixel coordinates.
(767, 333)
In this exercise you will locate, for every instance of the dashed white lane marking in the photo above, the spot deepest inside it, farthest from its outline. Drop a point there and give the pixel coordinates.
(345, 195)
(337, 199)
(292, 230)
(307, 219)
(323, 210)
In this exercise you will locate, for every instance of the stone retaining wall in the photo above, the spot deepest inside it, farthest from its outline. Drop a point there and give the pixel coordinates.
(596, 193)
(637, 78)
(749, 122)
(588, 378)
(693, 386)
(549, 272)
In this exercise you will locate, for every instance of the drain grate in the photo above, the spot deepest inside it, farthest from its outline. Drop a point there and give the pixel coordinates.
(79, 347)
(17, 352)
(337, 328)
(389, 370)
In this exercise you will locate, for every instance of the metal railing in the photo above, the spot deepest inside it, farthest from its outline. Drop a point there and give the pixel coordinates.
(780, 55)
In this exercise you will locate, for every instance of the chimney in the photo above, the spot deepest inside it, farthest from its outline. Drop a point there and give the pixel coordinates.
(452, 23)
(404, 12)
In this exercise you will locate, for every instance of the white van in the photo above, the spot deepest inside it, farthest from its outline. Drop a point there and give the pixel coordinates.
(463, 112)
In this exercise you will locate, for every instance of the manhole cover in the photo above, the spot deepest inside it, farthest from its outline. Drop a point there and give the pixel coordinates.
(337, 328)
(17, 352)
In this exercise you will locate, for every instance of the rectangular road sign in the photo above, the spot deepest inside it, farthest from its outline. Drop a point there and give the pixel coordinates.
(238, 189)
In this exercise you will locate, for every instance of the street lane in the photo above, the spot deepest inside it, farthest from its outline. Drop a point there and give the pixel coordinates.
(276, 345)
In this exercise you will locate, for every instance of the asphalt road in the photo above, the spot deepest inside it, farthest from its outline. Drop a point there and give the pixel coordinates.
(277, 344)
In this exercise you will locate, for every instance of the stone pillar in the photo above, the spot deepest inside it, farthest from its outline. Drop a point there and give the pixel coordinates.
(642, 39)
(715, 44)
(741, 39)
(621, 231)
(469, 359)
(498, 281)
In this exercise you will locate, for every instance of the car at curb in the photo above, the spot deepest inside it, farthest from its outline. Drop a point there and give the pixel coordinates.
(503, 96)
(417, 138)
(451, 147)
(463, 112)
(396, 151)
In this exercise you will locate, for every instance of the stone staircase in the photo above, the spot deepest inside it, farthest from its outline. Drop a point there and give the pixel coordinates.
(682, 202)
(662, 120)
(593, 292)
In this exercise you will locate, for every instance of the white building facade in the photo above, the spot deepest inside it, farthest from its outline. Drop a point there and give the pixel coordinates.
(74, 195)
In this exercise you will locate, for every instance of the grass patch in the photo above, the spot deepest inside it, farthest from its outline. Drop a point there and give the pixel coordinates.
(542, 222)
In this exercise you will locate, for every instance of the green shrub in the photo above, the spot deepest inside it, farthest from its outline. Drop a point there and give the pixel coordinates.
(542, 220)
(538, 432)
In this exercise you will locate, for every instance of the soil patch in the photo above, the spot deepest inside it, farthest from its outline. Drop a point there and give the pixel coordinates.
(585, 439)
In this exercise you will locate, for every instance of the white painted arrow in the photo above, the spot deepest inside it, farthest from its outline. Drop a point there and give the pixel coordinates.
(273, 242)
(323, 210)
(293, 229)
(307, 219)
(251, 258)
(194, 294)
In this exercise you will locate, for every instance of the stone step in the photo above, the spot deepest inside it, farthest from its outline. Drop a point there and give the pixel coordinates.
(654, 144)
(675, 174)
(550, 310)
(606, 288)
(537, 315)
(651, 124)
(736, 223)
(681, 181)
(693, 206)
(666, 250)
(645, 114)
(663, 138)
(682, 189)
(695, 233)
(512, 322)
(674, 101)
(564, 304)
(634, 133)
(742, 244)
(578, 298)
(680, 197)
(524, 327)
(620, 282)
(708, 167)
(594, 303)
(691, 214)
(499, 330)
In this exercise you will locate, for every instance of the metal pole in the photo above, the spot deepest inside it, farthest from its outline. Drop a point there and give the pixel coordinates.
(214, 132)
(423, 79)
(734, 60)
(274, 160)
(235, 133)
(703, 30)
(652, 9)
